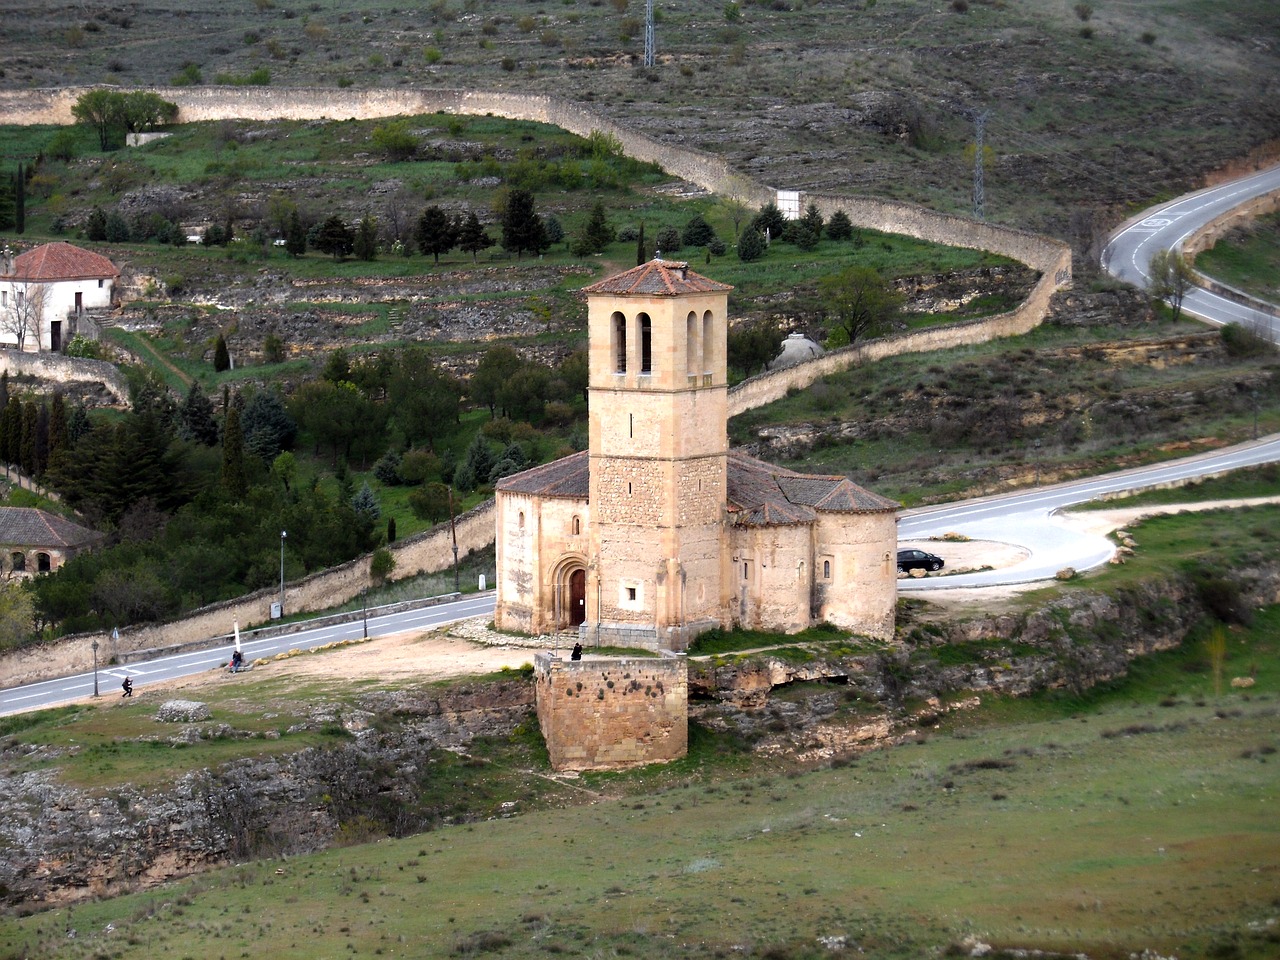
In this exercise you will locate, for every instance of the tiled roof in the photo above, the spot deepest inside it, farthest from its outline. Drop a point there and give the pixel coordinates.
(568, 477)
(62, 261)
(31, 527)
(658, 278)
(761, 494)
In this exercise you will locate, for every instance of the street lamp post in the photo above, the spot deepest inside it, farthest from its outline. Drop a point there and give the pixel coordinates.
(95, 665)
(364, 602)
(1253, 395)
(1036, 444)
(283, 535)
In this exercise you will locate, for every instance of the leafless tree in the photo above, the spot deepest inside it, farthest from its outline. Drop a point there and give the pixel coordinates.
(21, 316)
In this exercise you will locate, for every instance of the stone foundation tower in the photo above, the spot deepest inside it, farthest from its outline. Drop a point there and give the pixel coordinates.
(658, 447)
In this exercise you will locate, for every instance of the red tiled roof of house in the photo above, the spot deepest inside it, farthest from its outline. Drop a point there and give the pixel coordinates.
(32, 527)
(568, 477)
(657, 278)
(62, 261)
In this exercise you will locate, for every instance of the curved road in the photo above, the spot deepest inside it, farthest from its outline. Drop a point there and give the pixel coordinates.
(1127, 255)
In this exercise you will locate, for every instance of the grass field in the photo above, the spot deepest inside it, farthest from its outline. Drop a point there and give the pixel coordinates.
(1105, 826)
(1248, 258)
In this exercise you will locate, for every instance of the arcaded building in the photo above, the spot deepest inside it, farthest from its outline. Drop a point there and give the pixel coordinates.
(658, 532)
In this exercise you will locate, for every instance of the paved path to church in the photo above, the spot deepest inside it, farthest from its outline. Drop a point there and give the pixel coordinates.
(1033, 521)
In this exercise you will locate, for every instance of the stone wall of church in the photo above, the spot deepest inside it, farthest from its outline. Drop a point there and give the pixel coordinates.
(535, 536)
(863, 588)
(606, 713)
(771, 570)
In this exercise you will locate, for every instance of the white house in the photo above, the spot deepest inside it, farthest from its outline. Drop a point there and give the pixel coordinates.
(45, 293)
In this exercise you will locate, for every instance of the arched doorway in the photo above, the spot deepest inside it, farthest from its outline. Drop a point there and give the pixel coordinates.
(577, 596)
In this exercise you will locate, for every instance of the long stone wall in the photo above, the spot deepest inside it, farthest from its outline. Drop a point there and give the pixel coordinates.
(426, 552)
(433, 550)
(606, 713)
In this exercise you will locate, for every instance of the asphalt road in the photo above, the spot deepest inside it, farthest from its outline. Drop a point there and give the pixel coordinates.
(52, 692)
(1028, 518)
(1127, 255)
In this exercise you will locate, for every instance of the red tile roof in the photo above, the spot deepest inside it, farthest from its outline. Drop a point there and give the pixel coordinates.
(32, 527)
(759, 493)
(62, 261)
(657, 278)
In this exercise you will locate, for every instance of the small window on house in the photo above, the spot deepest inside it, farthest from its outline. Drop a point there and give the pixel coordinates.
(619, 343)
(631, 594)
(42, 562)
(826, 569)
(19, 561)
(100, 282)
(521, 520)
(745, 569)
(577, 526)
(646, 344)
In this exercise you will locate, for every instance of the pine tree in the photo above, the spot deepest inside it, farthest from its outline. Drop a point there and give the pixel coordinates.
(196, 421)
(751, 245)
(522, 228)
(234, 479)
(473, 237)
(295, 240)
(366, 244)
(435, 234)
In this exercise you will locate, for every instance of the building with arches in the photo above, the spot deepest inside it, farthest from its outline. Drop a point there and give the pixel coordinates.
(35, 541)
(658, 532)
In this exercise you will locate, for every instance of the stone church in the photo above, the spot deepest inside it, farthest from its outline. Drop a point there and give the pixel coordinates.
(659, 532)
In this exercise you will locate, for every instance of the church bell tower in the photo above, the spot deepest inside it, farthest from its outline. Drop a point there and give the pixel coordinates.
(658, 401)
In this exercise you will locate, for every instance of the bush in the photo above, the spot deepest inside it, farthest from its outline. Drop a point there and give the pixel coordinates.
(668, 240)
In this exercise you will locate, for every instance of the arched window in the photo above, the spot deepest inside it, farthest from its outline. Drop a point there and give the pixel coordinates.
(577, 525)
(826, 569)
(618, 325)
(521, 520)
(693, 345)
(646, 344)
(43, 564)
(19, 560)
(710, 350)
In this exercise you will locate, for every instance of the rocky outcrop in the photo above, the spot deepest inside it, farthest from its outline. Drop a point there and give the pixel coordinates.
(64, 843)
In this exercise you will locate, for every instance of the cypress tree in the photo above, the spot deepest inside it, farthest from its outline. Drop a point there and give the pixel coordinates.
(295, 240)
(42, 439)
(58, 435)
(27, 444)
(391, 529)
(221, 356)
(234, 479)
(14, 431)
(641, 254)
(20, 199)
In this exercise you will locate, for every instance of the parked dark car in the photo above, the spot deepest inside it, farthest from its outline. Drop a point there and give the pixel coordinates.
(909, 560)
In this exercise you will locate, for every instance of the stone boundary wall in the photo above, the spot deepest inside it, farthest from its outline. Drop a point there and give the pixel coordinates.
(1215, 230)
(433, 550)
(427, 552)
(59, 368)
(610, 713)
